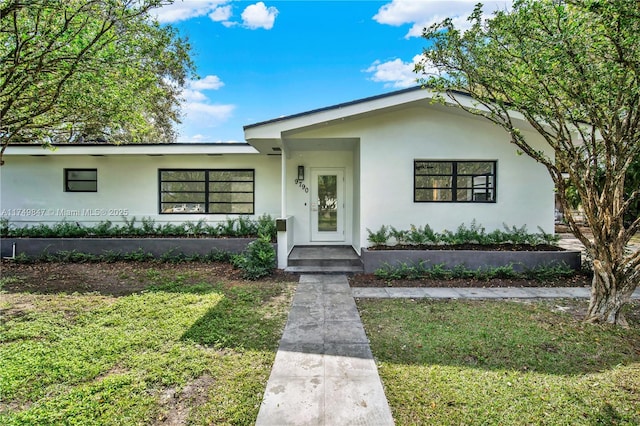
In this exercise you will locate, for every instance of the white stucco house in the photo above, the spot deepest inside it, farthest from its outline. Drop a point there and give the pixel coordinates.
(329, 174)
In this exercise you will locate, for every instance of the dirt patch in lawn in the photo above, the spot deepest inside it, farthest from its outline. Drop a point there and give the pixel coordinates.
(115, 279)
(177, 404)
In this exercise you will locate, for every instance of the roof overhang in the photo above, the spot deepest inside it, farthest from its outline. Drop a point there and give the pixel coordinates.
(267, 135)
(132, 149)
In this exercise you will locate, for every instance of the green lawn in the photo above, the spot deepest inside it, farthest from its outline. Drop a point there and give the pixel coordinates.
(185, 349)
(508, 363)
(192, 347)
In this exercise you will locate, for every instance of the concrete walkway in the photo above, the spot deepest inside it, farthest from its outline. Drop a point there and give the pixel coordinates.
(324, 372)
(477, 293)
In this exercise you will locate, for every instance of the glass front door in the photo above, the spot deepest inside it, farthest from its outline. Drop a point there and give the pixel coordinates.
(327, 205)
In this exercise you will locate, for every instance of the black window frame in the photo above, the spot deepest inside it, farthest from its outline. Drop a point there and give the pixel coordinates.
(67, 179)
(454, 181)
(207, 192)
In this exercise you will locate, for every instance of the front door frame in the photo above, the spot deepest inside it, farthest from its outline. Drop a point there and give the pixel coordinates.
(328, 236)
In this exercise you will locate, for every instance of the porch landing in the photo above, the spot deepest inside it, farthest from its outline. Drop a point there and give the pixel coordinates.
(325, 260)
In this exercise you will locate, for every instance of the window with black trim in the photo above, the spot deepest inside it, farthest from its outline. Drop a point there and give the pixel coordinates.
(454, 181)
(81, 180)
(206, 191)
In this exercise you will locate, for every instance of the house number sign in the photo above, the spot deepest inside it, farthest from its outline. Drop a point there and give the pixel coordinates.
(304, 187)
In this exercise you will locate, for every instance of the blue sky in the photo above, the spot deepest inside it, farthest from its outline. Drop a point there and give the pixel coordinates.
(259, 60)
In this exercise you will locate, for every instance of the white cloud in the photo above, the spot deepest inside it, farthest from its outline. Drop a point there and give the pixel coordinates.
(183, 10)
(198, 112)
(210, 82)
(395, 73)
(254, 16)
(193, 95)
(259, 16)
(424, 13)
(194, 139)
(221, 14)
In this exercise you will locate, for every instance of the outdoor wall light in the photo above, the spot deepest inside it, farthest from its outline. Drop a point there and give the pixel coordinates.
(300, 172)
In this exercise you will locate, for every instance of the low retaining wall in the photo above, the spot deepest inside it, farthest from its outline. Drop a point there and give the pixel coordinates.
(471, 259)
(98, 246)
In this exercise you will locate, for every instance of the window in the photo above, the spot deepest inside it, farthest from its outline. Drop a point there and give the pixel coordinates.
(207, 191)
(81, 180)
(454, 181)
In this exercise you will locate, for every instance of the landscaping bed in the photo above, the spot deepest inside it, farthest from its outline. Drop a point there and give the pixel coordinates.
(370, 280)
(115, 279)
(111, 278)
(469, 246)
(520, 260)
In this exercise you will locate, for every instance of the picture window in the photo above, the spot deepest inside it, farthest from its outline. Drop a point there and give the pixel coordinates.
(207, 191)
(465, 181)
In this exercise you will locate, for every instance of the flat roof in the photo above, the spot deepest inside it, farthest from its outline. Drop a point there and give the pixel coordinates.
(132, 149)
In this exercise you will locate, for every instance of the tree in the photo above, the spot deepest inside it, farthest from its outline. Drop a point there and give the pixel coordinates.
(88, 70)
(572, 70)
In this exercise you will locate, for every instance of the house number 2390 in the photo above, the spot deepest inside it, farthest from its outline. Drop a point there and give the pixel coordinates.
(304, 187)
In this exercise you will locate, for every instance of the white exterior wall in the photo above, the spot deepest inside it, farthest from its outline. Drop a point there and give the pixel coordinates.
(32, 188)
(524, 195)
(389, 144)
(299, 201)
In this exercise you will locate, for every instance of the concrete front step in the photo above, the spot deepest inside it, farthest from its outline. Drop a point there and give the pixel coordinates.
(324, 259)
(325, 262)
(325, 269)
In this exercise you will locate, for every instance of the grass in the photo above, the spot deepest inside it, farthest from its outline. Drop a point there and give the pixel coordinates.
(185, 349)
(480, 363)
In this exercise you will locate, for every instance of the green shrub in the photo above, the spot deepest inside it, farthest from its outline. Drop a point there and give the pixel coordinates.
(228, 227)
(380, 237)
(258, 261)
(217, 256)
(399, 235)
(421, 235)
(148, 226)
(103, 229)
(171, 230)
(473, 234)
(129, 227)
(243, 226)
(422, 270)
(138, 256)
(266, 225)
(4, 227)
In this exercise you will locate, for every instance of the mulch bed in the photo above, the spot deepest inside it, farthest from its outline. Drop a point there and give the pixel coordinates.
(116, 279)
(476, 247)
(121, 278)
(370, 280)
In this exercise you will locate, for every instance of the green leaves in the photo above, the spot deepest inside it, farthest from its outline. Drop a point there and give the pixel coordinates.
(571, 71)
(75, 71)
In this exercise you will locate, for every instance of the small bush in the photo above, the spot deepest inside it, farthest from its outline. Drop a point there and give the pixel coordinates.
(258, 261)
(4, 227)
(193, 229)
(422, 270)
(473, 234)
(266, 225)
(243, 226)
(138, 256)
(380, 237)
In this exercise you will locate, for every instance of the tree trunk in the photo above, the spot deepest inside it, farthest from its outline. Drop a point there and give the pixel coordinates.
(608, 295)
